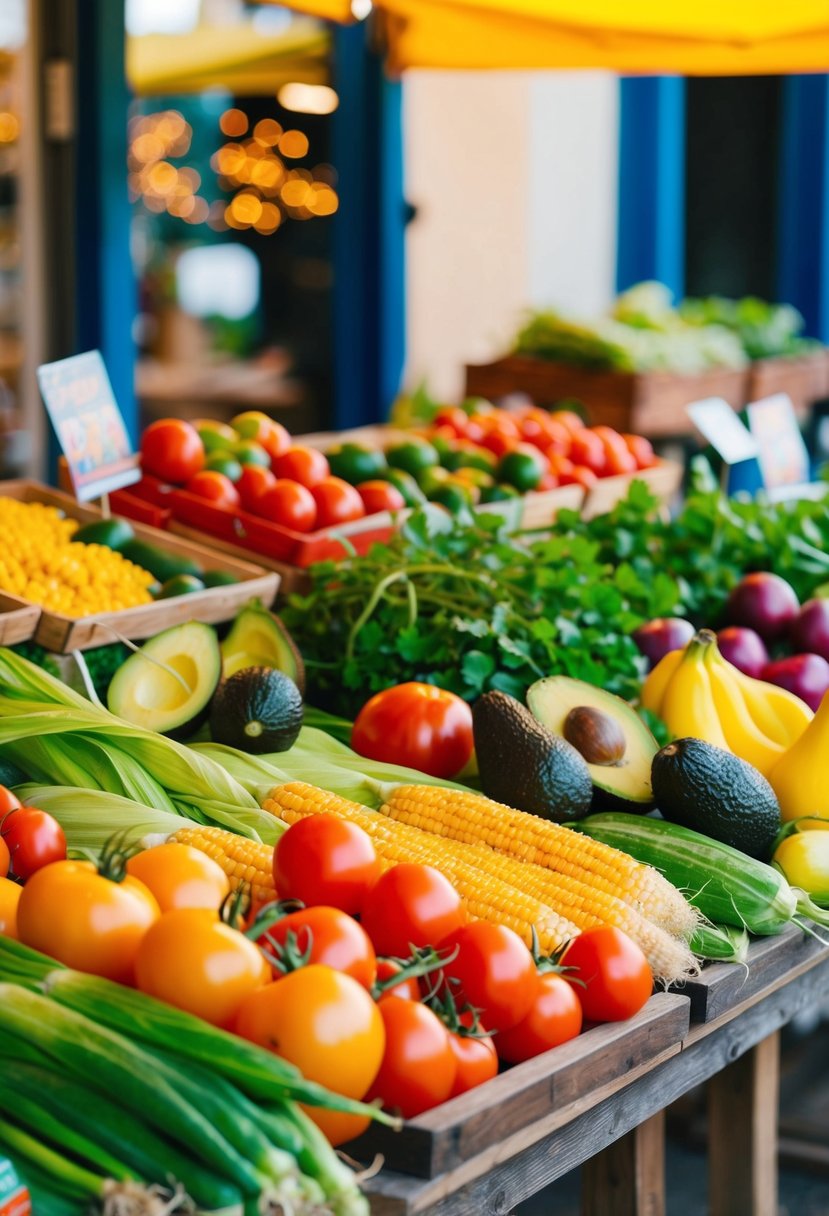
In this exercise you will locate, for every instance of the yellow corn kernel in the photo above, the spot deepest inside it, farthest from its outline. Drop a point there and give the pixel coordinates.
(243, 860)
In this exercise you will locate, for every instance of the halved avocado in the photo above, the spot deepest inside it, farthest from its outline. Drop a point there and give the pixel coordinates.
(259, 709)
(612, 738)
(143, 691)
(257, 638)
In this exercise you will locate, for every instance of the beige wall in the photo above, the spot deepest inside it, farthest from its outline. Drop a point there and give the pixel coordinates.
(513, 178)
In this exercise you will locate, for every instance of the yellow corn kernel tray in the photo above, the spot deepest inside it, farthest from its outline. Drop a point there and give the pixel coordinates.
(63, 633)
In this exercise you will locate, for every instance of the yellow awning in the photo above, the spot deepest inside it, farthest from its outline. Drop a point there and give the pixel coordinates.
(687, 37)
(238, 58)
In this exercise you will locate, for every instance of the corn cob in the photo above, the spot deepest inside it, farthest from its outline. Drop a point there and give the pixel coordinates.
(474, 819)
(243, 860)
(484, 896)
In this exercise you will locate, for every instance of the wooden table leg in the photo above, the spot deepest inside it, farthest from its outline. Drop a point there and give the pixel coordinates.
(628, 1177)
(742, 1134)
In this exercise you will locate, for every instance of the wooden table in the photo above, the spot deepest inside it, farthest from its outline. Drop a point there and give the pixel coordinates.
(612, 1121)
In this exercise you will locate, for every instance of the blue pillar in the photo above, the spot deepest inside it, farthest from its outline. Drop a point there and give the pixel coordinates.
(651, 231)
(803, 232)
(369, 270)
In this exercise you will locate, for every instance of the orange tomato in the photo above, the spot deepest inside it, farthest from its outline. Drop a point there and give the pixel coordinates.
(641, 450)
(172, 450)
(455, 418)
(305, 465)
(180, 876)
(337, 502)
(380, 495)
(569, 419)
(85, 919)
(215, 487)
(194, 961)
(10, 893)
(5, 858)
(323, 1022)
(253, 483)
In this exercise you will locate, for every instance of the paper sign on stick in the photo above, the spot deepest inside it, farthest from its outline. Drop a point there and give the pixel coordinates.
(781, 452)
(724, 429)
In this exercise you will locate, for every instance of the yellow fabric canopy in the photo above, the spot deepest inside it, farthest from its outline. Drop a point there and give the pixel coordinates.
(688, 37)
(238, 58)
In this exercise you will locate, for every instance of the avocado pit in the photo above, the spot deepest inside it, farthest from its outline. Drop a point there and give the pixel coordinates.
(598, 737)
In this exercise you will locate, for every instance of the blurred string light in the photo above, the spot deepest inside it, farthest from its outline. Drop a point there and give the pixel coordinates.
(252, 165)
(9, 127)
(308, 98)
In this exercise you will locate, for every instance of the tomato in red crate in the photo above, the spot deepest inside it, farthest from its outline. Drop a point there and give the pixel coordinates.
(337, 502)
(252, 485)
(410, 905)
(288, 504)
(325, 860)
(172, 450)
(380, 496)
(554, 1017)
(305, 465)
(216, 488)
(417, 725)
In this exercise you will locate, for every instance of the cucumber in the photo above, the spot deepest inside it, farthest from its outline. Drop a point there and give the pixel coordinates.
(219, 578)
(114, 533)
(179, 584)
(720, 943)
(161, 564)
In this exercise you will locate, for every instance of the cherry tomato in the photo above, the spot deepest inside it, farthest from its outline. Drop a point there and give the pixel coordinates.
(418, 1069)
(34, 839)
(257, 427)
(380, 496)
(172, 450)
(586, 448)
(555, 1017)
(86, 920)
(410, 905)
(252, 485)
(325, 860)
(216, 488)
(548, 482)
(500, 442)
(476, 1059)
(416, 725)
(615, 979)
(337, 1127)
(10, 893)
(546, 433)
(408, 989)
(328, 936)
(337, 502)
(641, 450)
(582, 476)
(494, 973)
(191, 959)
(618, 457)
(323, 1022)
(275, 439)
(569, 420)
(288, 504)
(5, 858)
(561, 467)
(305, 465)
(180, 876)
(8, 801)
(455, 418)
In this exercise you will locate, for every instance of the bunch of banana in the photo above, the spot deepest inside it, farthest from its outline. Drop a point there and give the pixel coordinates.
(699, 694)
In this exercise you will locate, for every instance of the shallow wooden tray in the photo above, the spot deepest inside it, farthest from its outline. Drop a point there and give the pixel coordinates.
(18, 621)
(62, 633)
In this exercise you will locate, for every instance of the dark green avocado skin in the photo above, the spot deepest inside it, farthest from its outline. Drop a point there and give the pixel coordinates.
(526, 766)
(712, 791)
(262, 696)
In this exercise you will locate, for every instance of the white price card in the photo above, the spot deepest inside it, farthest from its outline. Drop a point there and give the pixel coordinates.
(782, 454)
(724, 429)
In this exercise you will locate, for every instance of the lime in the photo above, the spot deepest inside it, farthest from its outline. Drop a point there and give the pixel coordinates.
(522, 468)
(355, 462)
(225, 462)
(413, 456)
(247, 452)
(181, 584)
(469, 456)
(453, 496)
(407, 486)
(444, 448)
(498, 493)
(215, 435)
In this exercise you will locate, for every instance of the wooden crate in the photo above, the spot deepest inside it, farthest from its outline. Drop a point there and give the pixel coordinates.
(551, 1088)
(650, 403)
(804, 379)
(18, 621)
(62, 633)
(663, 480)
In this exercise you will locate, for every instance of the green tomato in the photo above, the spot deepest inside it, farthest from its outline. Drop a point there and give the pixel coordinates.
(521, 468)
(225, 462)
(355, 462)
(413, 456)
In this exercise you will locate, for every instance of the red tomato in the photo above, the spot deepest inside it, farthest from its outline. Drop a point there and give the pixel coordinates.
(641, 450)
(305, 465)
(548, 482)
(288, 504)
(337, 502)
(326, 936)
(172, 450)
(555, 1017)
(495, 973)
(252, 485)
(561, 467)
(408, 989)
(325, 860)
(476, 1059)
(416, 725)
(380, 496)
(216, 488)
(275, 439)
(418, 1069)
(500, 442)
(569, 420)
(8, 801)
(615, 979)
(582, 476)
(410, 905)
(34, 839)
(455, 418)
(587, 449)
(5, 858)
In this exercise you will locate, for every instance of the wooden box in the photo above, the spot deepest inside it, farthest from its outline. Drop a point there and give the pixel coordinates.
(62, 633)
(18, 621)
(805, 379)
(532, 1099)
(649, 403)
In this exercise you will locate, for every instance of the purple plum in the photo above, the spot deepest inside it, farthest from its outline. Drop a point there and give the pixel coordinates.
(744, 648)
(765, 603)
(659, 637)
(809, 633)
(806, 675)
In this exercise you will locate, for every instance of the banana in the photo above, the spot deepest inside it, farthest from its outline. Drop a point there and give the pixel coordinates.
(688, 708)
(653, 690)
(744, 736)
(779, 713)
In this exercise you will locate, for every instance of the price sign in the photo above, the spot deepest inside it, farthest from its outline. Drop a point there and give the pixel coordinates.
(723, 428)
(90, 429)
(781, 452)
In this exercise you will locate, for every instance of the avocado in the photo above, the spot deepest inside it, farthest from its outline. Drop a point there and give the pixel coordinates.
(257, 638)
(179, 584)
(259, 709)
(712, 791)
(219, 578)
(10, 774)
(114, 533)
(160, 563)
(144, 692)
(597, 722)
(526, 766)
